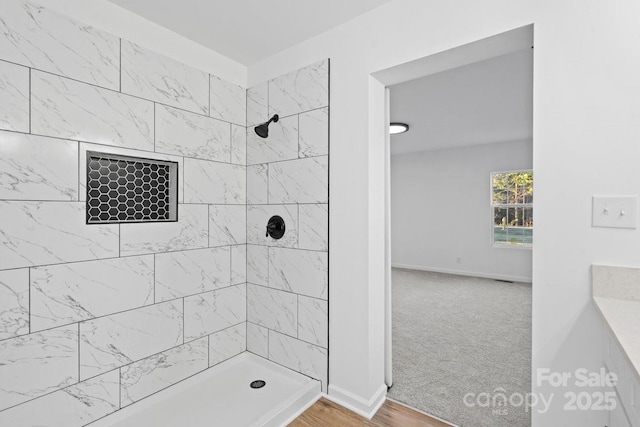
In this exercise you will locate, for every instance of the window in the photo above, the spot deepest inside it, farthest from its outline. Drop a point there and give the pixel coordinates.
(129, 189)
(512, 208)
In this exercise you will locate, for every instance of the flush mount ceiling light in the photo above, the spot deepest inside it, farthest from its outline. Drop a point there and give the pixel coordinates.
(396, 128)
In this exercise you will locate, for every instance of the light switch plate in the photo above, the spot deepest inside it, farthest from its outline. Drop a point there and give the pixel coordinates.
(615, 211)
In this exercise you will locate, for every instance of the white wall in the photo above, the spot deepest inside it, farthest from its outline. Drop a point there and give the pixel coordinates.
(440, 211)
(585, 138)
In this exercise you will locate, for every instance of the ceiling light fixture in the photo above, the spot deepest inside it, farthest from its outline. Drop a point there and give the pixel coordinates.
(396, 128)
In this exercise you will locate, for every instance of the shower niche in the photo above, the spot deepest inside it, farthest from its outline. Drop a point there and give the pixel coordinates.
(123, 189)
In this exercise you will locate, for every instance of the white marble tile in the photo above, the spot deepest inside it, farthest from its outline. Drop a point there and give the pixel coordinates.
(68, 109)
(272, 309)
(314, 227)
(258, 265)
(257, 104)
(14, 97)
(227, 343)
(258, 340)
(106, 149)
(38, 233)
(37, 37)
(238, 145)
(299, 181)
(14, 303)
(299, 271)
(189, 232)
(314, 133)
(313, 321)
(238, 264)
(140, 379)
(37, 364)
(300, 356)
(37, 168)
(68, 293)
(149, 75)
(227, 225)
(117, 340)
(228, 101)
(301, 90)
(258, 217)
(257, 184)
(192, 135)
(213, 182)
(281, 144)
(191, 272)
(73, 406)
(213, 311)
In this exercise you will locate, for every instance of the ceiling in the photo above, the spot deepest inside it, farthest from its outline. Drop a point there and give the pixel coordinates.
(484, 102)
(248, 31)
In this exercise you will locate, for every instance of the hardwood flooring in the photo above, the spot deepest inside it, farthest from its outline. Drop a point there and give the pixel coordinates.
(325, 413)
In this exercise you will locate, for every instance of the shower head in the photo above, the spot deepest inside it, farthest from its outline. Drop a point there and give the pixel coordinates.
(263, 129)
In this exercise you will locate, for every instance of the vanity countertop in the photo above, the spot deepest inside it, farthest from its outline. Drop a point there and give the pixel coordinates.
(616, 293)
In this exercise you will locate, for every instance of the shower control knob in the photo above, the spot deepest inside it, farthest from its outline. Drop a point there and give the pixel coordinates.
(275, 227)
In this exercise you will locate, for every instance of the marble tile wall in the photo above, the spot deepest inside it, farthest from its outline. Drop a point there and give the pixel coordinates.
(288, 175)
(96, 317)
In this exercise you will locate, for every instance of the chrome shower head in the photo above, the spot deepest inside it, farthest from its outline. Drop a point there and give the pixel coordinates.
(263, 129)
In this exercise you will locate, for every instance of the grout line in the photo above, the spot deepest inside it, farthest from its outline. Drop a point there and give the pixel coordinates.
(30, 96)
(79, 364)
(120, 71)
(29, 278)
(120, 387)
(154, 280)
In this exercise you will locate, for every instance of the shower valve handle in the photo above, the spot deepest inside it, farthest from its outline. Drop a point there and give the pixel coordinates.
(275, 227)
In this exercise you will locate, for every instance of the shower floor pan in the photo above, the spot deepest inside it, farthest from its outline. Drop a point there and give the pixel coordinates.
(222, 396)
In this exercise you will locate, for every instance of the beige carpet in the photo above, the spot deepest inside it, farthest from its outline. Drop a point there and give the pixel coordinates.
(454, 335)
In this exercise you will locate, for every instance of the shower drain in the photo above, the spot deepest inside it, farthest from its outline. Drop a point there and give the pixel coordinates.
(257, 384)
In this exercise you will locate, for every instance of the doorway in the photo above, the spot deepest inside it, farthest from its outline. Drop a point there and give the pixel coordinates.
(459, 231)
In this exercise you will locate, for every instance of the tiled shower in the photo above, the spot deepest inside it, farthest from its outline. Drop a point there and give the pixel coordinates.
(96, 317)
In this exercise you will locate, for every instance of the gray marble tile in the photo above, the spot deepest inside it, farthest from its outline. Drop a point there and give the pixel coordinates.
(302, 90)
(189, 232)
(14, 303)
(227, 225)
(282, 143)
(258, 340)
(238, 145)
(117, 340)
(272, 309)
(300, 356)
(149, 75)
(191, 272)
(257, 104)
(37, 37)
(299, 181)
(314, 227)
(257, 184)
(213, 311)
(38, 233)
(67, 293)
(106, 149)
(314, 133)
(37, 364)
(14, 97)
(200, 176)
(238, 264)
(299, 271)
(227, 343)
(37, 168)
(73, 406)
(65, 108)
(258, 217)
(147, 376)
(313, 321)
(258, 265)
(187, 134)
(228, 101)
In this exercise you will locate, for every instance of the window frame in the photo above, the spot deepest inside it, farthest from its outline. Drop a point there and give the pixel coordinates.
(492, 207)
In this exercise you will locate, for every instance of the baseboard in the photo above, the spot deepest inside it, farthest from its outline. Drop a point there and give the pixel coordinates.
(366, 408)
(465, 273)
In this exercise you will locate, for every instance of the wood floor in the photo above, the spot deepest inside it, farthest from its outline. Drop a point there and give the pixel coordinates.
(325, 413)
